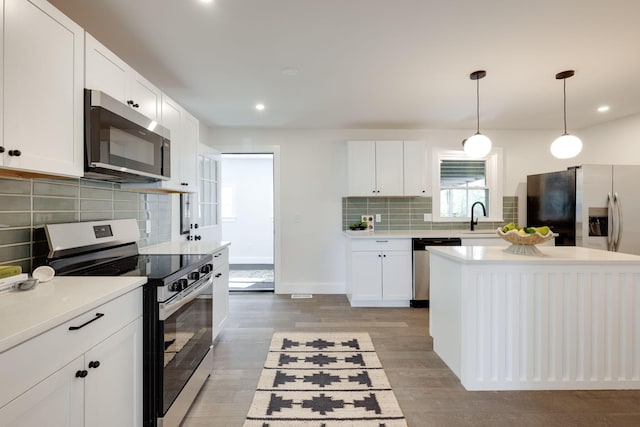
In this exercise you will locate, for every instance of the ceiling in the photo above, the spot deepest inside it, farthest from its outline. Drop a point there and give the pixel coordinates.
(379, 64)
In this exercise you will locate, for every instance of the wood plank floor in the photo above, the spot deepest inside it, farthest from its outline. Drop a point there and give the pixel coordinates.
(428, 392)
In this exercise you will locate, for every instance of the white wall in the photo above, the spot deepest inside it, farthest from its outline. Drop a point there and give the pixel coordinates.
(313, 179)
(251, 228)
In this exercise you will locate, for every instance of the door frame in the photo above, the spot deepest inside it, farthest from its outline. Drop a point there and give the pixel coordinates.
(275, 151)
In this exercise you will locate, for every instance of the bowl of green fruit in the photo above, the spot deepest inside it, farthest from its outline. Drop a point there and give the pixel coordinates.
(524, 239)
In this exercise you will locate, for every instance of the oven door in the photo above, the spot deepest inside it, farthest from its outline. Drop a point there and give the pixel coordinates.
(186, 329)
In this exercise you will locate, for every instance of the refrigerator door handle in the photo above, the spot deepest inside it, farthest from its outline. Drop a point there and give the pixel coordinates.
(610, 221)
(616, 201)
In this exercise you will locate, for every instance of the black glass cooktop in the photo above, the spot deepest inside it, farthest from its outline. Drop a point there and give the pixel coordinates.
(158, 268)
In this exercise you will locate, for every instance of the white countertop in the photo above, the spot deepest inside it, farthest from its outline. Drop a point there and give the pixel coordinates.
(25, 314)
(549, 255)
(409, 234)
(184, 247)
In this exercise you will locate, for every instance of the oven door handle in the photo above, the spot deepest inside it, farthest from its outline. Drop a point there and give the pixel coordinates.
(166, 310)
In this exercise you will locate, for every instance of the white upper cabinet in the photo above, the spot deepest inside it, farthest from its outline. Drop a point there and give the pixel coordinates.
(376, 168)
(415, 168)
(189, 152)
(389, 176)
(361, 168)
(105, 71)
(171, 116)
(42, 79)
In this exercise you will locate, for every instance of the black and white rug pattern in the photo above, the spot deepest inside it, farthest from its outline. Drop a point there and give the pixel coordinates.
(323, 380)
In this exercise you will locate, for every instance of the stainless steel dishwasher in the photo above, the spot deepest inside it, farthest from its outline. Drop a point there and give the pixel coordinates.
(421, 266)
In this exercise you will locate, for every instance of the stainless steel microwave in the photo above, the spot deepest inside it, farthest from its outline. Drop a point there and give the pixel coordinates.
(121, 144)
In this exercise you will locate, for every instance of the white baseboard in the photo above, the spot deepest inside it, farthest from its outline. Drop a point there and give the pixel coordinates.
(310, 288)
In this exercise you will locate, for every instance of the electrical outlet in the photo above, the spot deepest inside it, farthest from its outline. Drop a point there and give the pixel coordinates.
(428, 217)
(378, 217)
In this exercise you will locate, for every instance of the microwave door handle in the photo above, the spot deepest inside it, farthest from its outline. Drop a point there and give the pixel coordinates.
(610, 222)
(166, 310)
(616, 199)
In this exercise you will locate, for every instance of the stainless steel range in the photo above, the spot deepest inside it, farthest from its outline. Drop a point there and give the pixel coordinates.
(177, 314)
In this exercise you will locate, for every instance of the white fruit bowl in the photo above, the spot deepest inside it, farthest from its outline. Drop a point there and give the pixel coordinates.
(523, 244)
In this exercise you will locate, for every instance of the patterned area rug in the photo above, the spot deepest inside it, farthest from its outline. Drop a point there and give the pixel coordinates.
(323, 380)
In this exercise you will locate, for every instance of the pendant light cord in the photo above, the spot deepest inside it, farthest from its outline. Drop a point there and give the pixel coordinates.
(478, 106)
(564, 91)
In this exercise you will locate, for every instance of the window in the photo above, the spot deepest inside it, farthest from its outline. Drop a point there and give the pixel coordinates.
(460, 181)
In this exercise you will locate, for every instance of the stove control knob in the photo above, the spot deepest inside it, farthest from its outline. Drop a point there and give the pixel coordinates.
(174, 287)
(194, 275)
(206, 268)
(184, 284)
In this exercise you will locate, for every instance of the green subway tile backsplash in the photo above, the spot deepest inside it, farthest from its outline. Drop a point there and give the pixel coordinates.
(407, 213)
(27, 204)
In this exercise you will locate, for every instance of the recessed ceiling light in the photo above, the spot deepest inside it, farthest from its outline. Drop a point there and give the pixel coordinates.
(603, 109)
(259, 107)
(206, 1)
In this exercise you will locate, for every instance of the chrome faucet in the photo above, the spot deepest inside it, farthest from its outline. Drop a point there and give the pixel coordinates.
(484, 212)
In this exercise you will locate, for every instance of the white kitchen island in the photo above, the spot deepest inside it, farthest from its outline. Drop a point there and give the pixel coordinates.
(567, 319)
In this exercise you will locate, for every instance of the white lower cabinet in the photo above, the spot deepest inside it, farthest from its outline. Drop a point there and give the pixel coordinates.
(115, 380)
(379, 272)
(220, 292)
(56, 401)
(90, 376)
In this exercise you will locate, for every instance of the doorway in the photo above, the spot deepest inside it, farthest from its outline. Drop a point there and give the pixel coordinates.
(247, 214)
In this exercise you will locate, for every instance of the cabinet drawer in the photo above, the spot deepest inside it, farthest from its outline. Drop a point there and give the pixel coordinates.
(220, 258)
(29, 363)
(380, 244)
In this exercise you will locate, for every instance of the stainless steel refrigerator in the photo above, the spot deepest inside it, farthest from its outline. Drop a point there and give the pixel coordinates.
(595, 206)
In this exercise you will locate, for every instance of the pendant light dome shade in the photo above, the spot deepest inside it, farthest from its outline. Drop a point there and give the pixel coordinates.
(566, 146)
(477, 145)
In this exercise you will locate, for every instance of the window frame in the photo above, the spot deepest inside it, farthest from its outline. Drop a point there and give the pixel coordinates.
(494, 183)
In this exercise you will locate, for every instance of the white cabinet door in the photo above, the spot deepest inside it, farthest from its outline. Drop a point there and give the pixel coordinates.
(361, 168)
(57, 401)
(43, 80)
(366, 276)
(172, 120)
(189, 152)
(396, 275)
(146, 97)
(105, 71)
(415, 168)
(113, 385)
(389, 167)
(220, 298)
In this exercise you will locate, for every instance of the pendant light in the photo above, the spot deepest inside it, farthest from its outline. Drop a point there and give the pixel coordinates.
(477, 145)
(566, 146)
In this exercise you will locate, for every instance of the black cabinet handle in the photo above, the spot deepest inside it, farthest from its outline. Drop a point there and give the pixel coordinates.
(219, 274)
(94, 364)
(198, 237)
(136, 105)
(16, 153)
(81, 374)
(1, 149)
(75, 328)
(130, 102)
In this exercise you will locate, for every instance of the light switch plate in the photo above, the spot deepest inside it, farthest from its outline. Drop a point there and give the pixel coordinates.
(378, 217)
(428, 217)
